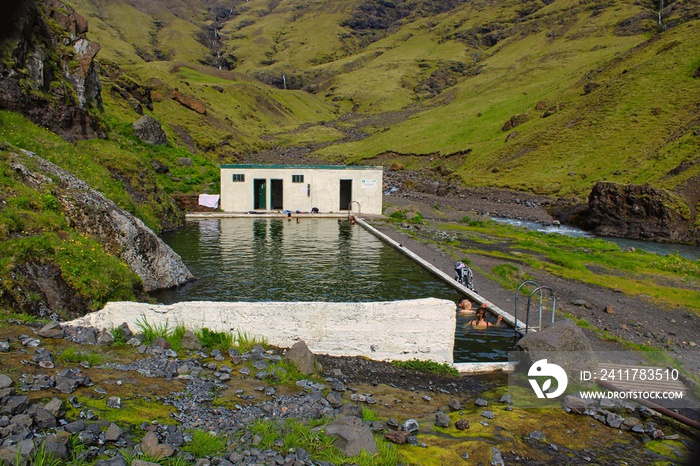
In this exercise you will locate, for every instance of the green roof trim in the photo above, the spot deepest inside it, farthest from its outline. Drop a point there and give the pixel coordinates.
(304, 167)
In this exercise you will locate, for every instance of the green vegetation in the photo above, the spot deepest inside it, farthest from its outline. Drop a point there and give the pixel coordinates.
(209, 339)
(152, 332)
(215, 340)
(132, 408)
(444, 369)
(368, 414)
(70, 354)
(431, 86)
(246, 342)
(119, 336)
(668, 280)
(205, 444)
(284, 372)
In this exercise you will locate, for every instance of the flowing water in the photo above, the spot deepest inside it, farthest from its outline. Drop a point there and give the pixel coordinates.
(263, 259)
(663, 249)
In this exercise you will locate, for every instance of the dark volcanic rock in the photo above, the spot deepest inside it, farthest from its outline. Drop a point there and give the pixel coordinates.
(640, 212)
(54, 87)
(149, 131)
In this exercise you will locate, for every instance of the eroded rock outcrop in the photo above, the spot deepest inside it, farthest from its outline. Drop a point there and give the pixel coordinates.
(49, 73)
(121, 233)
(640, 212)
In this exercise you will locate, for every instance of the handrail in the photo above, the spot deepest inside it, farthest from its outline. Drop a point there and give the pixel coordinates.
(529, 300)
(359, 208)
(515, 314)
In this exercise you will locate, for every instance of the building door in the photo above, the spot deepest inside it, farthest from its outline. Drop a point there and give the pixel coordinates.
(345, 194)
(260, 194)
(276, 202)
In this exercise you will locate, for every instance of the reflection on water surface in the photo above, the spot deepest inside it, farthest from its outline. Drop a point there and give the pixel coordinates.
(264, 259)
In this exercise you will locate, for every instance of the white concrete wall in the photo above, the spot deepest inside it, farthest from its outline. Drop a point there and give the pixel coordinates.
(396, 330)
(323, 192)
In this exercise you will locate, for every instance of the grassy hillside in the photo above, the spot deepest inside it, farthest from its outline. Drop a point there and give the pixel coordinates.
(601, 91)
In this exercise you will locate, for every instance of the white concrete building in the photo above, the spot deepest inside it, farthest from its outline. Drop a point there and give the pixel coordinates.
(250, 187)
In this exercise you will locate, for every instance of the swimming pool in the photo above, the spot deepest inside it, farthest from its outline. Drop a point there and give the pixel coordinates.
(273, 259)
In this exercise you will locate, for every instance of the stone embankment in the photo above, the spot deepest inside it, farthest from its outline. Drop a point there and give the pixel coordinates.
(49, 407)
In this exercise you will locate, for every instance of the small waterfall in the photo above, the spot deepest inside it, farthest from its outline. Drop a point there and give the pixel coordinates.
(661, 9)
(284, 80)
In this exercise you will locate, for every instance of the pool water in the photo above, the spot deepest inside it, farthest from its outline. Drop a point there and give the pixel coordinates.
(270, 259)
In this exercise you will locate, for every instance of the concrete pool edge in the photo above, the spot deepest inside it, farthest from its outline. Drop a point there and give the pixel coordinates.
(382, 331)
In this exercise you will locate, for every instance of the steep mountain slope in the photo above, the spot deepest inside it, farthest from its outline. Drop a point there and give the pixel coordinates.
(444, 83)
(543, 96)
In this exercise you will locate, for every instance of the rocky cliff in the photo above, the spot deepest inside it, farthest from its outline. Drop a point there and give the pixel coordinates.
(47, 68)
(120, 233)
(640, 212)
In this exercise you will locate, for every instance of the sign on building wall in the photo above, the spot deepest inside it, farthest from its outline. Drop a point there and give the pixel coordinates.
(369, 184)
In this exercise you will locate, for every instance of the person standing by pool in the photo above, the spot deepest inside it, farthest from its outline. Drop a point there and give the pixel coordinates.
(480, 321)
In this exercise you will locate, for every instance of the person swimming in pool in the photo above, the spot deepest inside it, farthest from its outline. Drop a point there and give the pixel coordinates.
(480, 321)
(464, 306)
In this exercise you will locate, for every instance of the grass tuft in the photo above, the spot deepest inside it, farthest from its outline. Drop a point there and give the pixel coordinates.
(205, 444)
(444, 369)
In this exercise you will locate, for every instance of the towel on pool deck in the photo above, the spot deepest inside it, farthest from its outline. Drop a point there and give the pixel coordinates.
(209, 200)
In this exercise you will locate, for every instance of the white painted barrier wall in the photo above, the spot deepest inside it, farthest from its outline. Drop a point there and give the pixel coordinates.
(396, 330)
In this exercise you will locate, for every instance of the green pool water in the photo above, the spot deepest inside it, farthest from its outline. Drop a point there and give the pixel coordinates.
(269, 259)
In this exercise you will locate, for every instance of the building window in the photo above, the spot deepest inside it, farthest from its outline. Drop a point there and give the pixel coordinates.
(238, 177)
(297, 178)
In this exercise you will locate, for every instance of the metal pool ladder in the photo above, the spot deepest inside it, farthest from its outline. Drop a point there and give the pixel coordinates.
(526, 325)
(359, 208)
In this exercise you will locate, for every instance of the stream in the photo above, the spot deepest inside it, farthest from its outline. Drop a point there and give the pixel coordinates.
(663, 249)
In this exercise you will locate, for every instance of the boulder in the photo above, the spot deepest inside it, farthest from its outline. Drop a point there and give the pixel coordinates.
(15, 404)
(300, 355)
(561, 343)
(148, 130)
(152, 447)
(51, 330)
(5, 382)
(397, 436)
(113, 433)
(44, 419)
(352, 436)
(55, 407)
(190, 341)
(442, 419)
(56, 445)
(105, 338)
(640, 212)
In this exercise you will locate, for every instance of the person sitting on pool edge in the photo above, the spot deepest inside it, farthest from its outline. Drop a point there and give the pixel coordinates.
(480, 319)
(464, 306)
